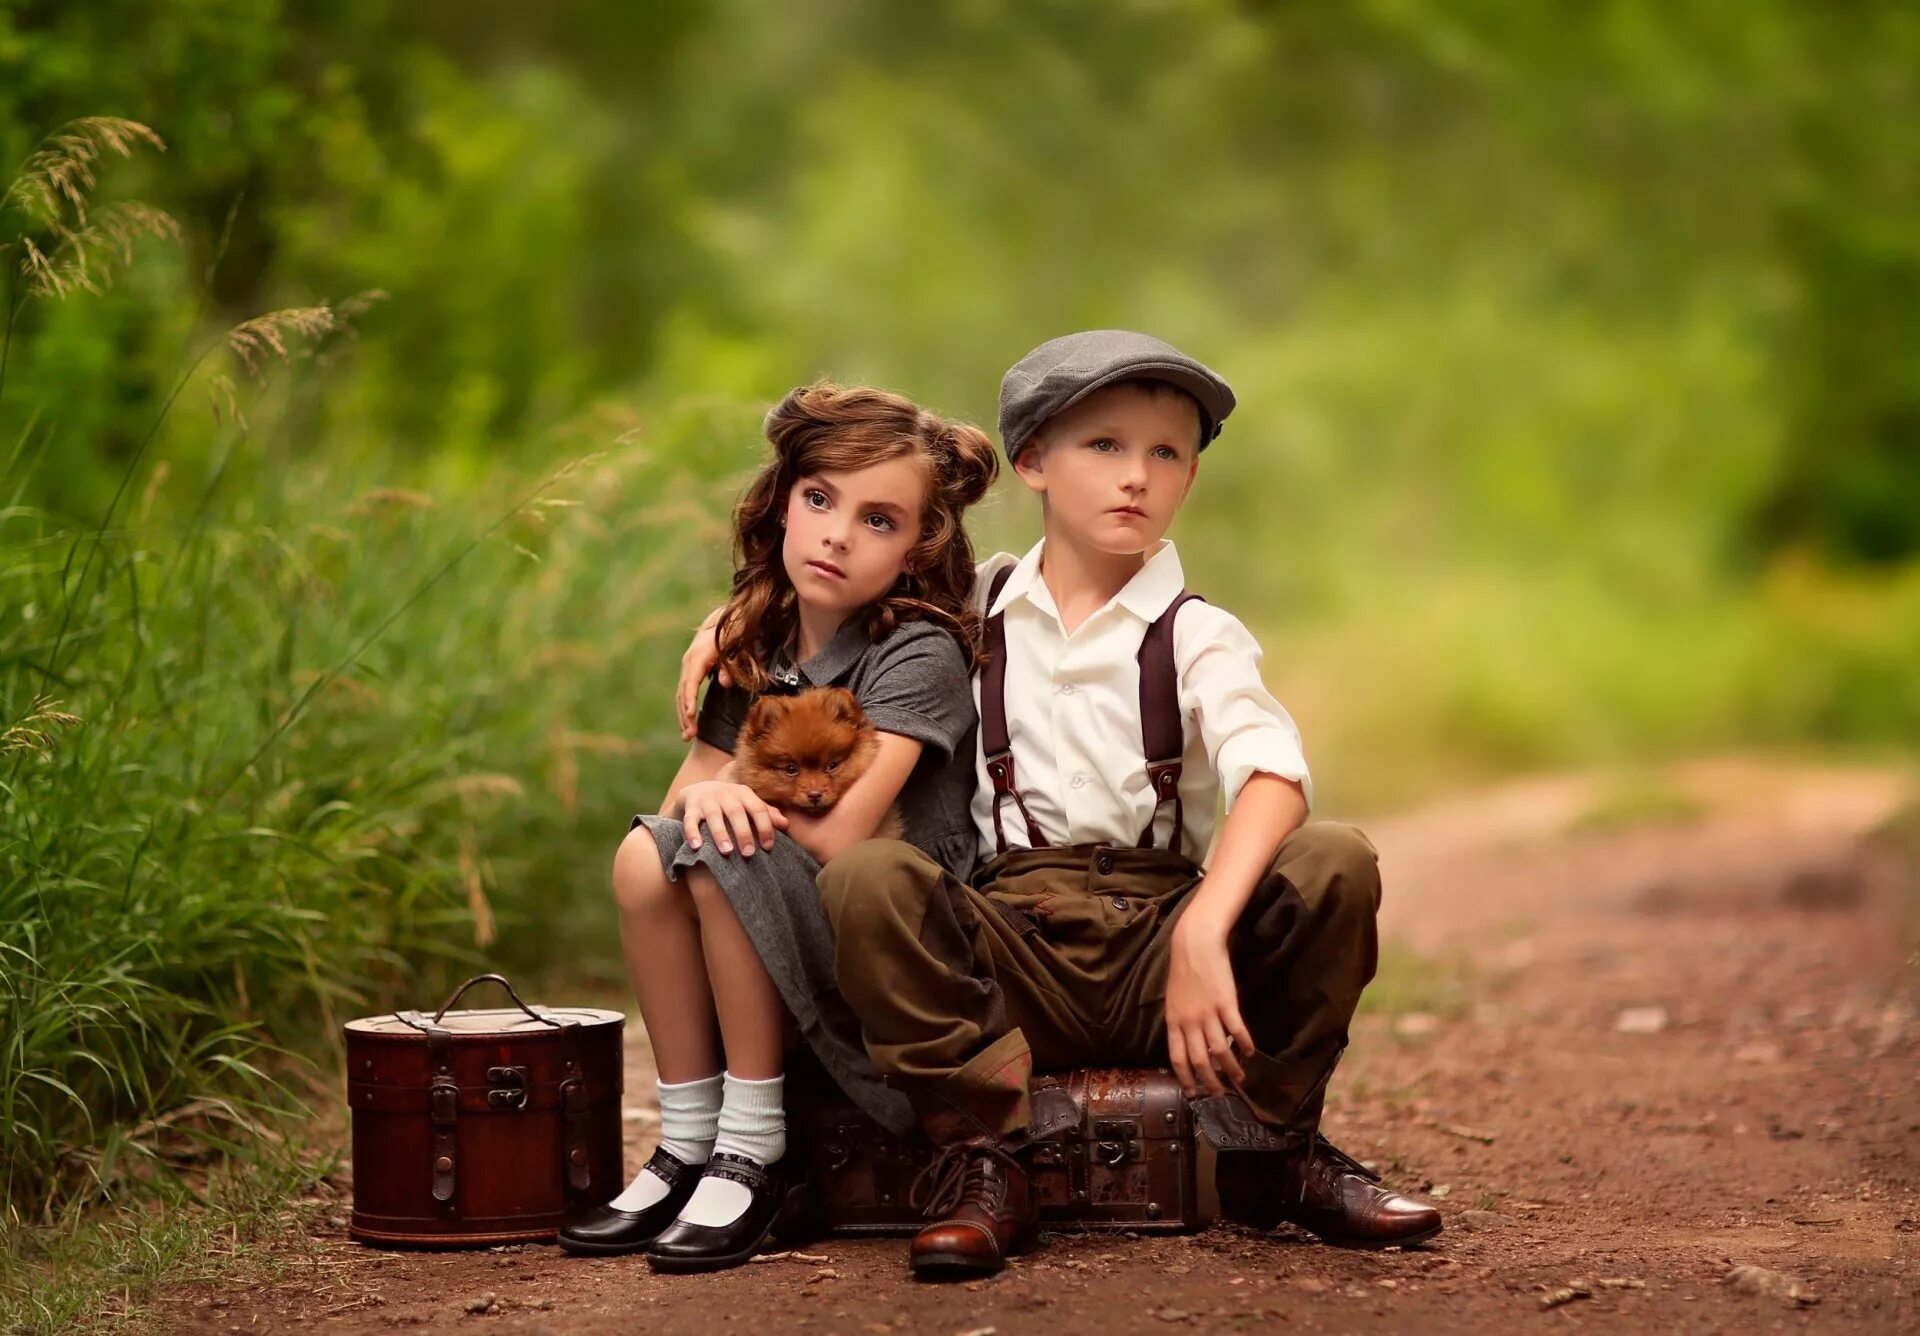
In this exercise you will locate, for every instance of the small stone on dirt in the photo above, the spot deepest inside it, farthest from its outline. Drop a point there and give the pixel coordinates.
(1416, 1025)
(1641, 1020)
(484, 1304)
(1621, 1283)
(1440, 1191)
(1759, 1052)
(978, 1331)
(1768, 1284)
(1171, 1314)
(1566, 1294)
(1310, 1285)
(1472, 1221)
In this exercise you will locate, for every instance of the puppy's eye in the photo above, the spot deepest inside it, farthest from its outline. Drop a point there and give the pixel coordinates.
(792, 769)
(832, 766)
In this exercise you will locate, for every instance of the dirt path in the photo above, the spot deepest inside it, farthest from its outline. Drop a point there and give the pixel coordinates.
(1625, 1059)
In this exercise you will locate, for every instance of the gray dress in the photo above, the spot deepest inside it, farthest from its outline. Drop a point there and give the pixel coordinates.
(914, 683)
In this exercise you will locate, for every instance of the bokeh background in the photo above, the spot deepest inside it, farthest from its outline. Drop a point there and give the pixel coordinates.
(1578, 351)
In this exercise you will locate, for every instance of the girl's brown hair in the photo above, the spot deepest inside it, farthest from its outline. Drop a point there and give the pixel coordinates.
(823, 428)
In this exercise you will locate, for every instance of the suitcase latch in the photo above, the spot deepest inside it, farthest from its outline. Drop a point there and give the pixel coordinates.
(506, 1087)
(1114, 1140)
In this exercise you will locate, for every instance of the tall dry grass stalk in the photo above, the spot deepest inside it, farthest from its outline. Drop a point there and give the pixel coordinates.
(66, 243)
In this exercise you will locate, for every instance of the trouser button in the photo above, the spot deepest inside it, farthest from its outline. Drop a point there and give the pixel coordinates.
(1104, 864)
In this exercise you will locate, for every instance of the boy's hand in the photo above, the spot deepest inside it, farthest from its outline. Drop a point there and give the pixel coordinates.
(695, 664)
(1203, 1009)
(733, 812)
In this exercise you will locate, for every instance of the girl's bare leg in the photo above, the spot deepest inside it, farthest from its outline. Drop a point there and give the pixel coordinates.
(752, 1016)
(660, 935)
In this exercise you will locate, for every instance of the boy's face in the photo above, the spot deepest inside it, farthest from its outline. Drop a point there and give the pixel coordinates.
(1115, 467)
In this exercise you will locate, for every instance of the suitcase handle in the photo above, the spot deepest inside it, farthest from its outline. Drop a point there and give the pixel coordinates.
(500, 979)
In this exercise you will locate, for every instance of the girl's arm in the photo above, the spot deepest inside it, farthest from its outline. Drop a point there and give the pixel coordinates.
(695, 664)
(703, 761)
(860, 809)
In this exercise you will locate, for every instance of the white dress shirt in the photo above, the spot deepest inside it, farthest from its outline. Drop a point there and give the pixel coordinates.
(1073, 712)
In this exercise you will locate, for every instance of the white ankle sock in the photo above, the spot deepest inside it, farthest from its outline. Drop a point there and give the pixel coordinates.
(689, 1120)
(753, 1123)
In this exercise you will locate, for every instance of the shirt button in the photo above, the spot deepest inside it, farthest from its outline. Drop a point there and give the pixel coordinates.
(1081, 781)
(1068, 688)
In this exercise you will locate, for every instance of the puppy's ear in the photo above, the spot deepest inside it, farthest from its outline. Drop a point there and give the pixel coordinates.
(846, 706)
(762, 715)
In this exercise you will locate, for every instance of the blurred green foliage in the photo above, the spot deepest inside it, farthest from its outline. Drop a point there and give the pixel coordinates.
(1647, 267)
(1578, 350)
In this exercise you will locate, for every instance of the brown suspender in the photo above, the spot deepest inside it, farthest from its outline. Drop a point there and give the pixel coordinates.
(993, 723)
(1162, 737)
(1160, 728)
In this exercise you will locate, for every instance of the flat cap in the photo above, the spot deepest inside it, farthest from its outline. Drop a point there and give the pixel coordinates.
(1063, 371)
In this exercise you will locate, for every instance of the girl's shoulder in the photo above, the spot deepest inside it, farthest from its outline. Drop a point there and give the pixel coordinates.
(924, 648)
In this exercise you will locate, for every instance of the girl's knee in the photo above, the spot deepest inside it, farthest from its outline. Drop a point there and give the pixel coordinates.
(639, 881)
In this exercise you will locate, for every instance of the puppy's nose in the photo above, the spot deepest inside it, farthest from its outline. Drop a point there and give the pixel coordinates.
(813, 797)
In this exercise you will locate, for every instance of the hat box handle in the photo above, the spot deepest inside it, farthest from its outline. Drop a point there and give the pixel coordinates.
(500, 979)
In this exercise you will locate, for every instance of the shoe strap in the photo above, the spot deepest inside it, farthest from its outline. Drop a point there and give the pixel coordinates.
(740, 1169)
(668, 1167)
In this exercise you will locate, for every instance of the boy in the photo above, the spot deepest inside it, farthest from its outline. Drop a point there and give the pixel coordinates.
(1114, 709)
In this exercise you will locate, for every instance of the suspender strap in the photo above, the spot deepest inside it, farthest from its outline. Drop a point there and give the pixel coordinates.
(1162, 737)
(994, 739)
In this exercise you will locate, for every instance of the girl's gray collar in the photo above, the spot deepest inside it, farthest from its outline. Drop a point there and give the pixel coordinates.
(831, 663)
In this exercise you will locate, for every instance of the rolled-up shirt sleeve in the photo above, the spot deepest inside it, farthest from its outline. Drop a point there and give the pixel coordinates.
(1245, 730)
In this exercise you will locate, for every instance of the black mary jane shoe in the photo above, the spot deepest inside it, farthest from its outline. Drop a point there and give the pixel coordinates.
(607, 1231)
(683, 1247)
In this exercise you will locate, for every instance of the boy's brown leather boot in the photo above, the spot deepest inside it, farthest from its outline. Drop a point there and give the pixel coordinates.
(1323, 1190)
(982, 1208)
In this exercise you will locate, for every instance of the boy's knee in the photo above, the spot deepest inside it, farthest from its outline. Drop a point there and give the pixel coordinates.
(873, 877)
(1338, 862)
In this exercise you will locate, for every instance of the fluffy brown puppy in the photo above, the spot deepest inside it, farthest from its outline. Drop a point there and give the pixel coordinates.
(803, 752)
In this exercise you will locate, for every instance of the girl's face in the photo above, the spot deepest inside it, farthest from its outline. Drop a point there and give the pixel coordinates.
(848, 533)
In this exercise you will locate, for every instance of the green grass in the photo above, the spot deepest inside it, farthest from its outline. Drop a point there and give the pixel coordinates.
(1646, 801)
(304, 761)
(1410, 982)
(99, 1270)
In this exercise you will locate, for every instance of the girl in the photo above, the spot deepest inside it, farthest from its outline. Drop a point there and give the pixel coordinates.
(851, 568)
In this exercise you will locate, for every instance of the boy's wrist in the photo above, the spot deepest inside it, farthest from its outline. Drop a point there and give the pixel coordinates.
(1201, 922)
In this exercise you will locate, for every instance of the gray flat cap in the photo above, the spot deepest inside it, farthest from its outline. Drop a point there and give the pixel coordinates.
(1063, 371)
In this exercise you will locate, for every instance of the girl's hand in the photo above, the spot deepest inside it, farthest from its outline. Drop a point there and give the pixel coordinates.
(1203, 1010)
(734, 813)
(695, 664)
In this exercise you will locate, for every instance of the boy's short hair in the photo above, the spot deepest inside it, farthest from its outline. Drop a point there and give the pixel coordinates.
(1063, 371)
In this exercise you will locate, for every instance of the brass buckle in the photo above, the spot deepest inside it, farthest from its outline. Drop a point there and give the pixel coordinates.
(507, 1087)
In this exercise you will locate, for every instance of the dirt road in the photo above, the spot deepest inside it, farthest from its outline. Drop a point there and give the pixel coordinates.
(1631, 1039)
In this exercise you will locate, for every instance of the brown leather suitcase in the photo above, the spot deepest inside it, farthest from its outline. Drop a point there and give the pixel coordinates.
(480, 1127)
(1116, 1150)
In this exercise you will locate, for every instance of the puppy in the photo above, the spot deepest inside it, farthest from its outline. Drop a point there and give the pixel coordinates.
(803, 752)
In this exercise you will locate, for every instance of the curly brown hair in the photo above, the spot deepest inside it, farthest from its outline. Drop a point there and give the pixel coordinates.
(824, 428)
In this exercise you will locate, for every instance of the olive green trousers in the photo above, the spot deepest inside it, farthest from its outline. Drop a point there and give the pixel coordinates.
(1058, 958)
